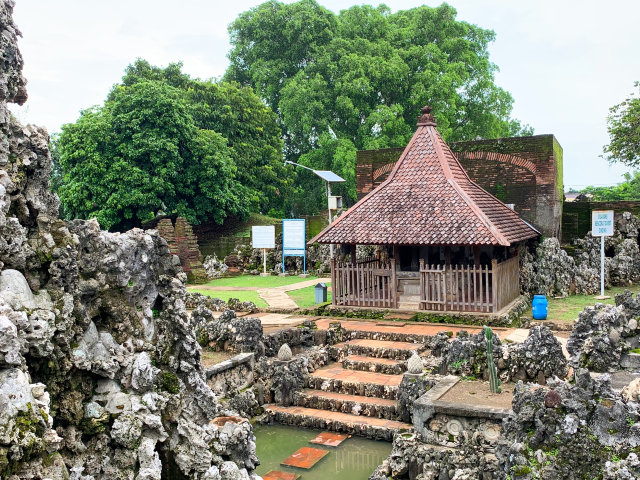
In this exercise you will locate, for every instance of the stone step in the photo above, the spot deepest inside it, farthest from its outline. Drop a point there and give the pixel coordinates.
(409, 306)
(407, 298)
(334, 378)
(374, 428)
(411, 288)
(377, 365)
(374, 348)
(351, 404)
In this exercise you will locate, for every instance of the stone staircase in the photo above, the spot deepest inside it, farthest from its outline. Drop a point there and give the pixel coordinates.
(356, 393)
(409, 294)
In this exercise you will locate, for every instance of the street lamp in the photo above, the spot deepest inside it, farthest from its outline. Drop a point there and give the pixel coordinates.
(329, 178)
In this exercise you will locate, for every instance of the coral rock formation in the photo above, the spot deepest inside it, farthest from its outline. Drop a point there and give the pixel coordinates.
(100, 374)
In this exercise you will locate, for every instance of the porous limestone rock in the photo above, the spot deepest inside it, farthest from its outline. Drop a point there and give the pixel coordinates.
(597, 341)
(228, 332)
(551, 272)
(214, 267)
(568, 431)
(100, 373)
(284, 354)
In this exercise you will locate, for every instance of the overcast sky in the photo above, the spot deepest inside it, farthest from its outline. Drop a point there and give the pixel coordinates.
(564, 61)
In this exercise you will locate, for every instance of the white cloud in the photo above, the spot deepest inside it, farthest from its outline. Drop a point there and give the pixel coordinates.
(565, 62)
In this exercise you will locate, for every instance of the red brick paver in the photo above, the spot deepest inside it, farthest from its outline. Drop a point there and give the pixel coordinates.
(305, 457)
(335, 371)
(387, 345)
(381, 361)
(278, 475)
(339, 417)
(329, 439)
(408, 328)
(350, 398)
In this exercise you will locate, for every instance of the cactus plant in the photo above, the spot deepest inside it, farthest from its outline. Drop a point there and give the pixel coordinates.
(494, 381)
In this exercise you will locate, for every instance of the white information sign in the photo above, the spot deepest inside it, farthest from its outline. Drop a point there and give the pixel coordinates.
(263, 237)
(602, 226)
(602, 223)
(293, 235)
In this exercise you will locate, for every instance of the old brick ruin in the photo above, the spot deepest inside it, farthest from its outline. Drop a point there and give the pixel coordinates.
(523, 171)
(183, 243)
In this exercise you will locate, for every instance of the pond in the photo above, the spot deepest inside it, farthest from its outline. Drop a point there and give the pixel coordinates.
(354, 459)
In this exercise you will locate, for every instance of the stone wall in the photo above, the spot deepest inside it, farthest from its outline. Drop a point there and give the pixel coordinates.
(524, 171)
(183, 243)
(231, 376)
(576, 216)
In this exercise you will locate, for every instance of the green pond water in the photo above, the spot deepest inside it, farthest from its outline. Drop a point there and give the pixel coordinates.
(355, 459)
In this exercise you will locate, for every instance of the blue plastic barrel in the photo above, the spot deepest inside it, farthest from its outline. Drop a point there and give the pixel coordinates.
(540, 307)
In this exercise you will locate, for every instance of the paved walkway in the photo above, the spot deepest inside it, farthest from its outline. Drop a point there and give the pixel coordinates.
(277, 297)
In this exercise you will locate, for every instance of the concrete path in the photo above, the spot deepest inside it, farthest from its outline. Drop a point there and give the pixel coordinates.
(277, 297)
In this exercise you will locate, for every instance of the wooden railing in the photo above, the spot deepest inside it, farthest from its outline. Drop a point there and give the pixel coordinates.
(463, 288)
(367, 283)
(506, 287)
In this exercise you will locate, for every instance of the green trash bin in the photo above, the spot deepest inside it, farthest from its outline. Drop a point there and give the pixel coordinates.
(321, 292)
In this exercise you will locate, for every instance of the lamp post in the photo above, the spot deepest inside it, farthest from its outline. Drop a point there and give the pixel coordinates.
(329, 178)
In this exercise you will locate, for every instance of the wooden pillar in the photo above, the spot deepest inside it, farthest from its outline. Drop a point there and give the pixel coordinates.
(447, 256)
(352, 251)
(476, 255)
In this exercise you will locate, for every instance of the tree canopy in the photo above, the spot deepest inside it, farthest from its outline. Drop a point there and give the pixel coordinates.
(623, 125)
(627, 190)
(357, 80)
(164, 141)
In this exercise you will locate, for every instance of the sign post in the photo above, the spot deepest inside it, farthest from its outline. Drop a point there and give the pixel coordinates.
(294, 242)
(602, 226)
(264, 238)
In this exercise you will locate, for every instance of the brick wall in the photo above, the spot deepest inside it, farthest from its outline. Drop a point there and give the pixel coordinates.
(576, 216)
(525, 171)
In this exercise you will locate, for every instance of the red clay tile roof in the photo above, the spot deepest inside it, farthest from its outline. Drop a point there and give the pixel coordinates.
(428, 199)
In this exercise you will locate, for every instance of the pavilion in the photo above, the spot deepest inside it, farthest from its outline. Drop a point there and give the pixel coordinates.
(443, 243)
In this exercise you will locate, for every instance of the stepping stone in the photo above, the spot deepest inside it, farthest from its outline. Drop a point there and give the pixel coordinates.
(278, 475)
(329, 439)
(305, 457)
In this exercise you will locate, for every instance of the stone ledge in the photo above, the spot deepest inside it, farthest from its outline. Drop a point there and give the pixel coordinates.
(231, 363)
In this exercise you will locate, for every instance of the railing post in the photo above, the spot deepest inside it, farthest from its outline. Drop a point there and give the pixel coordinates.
(334, 285)
(494, 284)
(423, 296)
(394, 285)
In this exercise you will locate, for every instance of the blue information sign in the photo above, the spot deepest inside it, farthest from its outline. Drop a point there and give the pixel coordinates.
(294, 241)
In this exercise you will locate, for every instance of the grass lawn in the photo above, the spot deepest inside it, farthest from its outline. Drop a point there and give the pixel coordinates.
(242, 295)
(256, 281)
(567, 309)
(209, 358)
(306, 297)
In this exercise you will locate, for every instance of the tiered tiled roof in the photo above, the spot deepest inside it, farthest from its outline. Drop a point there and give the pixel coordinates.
(428, 199)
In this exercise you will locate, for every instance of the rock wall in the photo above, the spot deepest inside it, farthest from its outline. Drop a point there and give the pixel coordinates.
(570, 431)
(100, 374)
(603, 334)
(552, 272)
(537, 359)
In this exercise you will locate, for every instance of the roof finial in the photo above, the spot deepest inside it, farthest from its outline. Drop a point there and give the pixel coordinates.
(426, 118)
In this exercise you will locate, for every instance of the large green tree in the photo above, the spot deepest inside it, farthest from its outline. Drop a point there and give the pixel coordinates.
(357, 80)
(141, 153)
(623, 125)
(238, 114)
